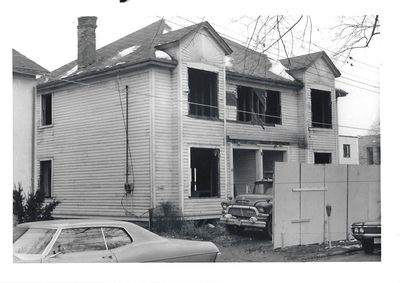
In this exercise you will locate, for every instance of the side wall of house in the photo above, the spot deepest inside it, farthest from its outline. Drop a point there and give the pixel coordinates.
(23, 95)
(319, 76)
(87, 146)
(200, 51)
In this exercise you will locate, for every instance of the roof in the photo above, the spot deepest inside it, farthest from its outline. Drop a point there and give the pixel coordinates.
(305, 61)
(142, 45)
(24, 65)
(340, 92)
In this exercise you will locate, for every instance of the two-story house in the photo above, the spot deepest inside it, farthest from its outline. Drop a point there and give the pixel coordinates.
(25, 73)
(203, 118)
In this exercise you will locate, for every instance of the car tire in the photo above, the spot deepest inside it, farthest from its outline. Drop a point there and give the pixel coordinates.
(368, 245)
(268, 229)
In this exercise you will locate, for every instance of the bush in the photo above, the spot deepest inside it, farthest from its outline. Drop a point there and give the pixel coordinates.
(166, 218)
(32, 208)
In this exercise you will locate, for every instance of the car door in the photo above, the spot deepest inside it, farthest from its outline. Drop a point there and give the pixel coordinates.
(80, 245)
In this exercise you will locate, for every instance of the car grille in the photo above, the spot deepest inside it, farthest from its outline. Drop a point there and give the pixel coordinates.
(369, 229)
(242, 212)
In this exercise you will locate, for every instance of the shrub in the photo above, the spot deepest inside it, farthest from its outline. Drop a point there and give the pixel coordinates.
(166, 218)
(32, 208)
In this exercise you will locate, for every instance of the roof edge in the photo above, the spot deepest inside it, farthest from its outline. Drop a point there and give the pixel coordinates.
(288, 84)
(56, 83)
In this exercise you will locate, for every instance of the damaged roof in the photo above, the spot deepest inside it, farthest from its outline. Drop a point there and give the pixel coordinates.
(149, 42)
(24, 65)
(303, 62)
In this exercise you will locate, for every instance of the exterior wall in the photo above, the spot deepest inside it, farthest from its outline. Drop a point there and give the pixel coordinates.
(373, 141)
(200, 51)
(318, 76)
(353, 142)
(87, 145)
(23, 97)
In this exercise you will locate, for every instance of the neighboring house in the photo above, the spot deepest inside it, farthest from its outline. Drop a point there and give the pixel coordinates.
(348, 150)
(370, 149)
(25, 72)
(206, 117)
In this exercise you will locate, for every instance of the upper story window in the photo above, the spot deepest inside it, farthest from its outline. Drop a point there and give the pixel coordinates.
(346, 150)
(257, 105)
(321, 109)
(46, 109)
(203, 93)
(322, 157)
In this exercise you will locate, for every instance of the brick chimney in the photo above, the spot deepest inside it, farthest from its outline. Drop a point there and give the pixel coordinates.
(86, 41)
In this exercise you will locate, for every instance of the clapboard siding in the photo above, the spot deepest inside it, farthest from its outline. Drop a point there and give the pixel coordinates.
(87, 146)
(166, 139)
(200, 51)
(319, 76)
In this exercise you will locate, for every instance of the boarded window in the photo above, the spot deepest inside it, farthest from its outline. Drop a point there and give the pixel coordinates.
(203, 94)
(370, 155)
(45, 177)
(346, 151)
(257, 105)
(204, 166)
(46, 111)
(322, 158)
(321, 109)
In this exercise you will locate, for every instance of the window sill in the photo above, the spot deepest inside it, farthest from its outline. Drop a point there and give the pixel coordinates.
(204, 118)
(253, 123)
(46, 126)
(206, 198)
(317, 129)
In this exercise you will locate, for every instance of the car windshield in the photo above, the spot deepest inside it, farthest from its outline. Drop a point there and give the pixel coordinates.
(33, 241)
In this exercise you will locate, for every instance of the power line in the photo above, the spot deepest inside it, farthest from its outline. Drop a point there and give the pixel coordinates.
(315, 68)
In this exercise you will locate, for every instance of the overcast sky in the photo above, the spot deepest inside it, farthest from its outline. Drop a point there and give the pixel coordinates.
(49, 37)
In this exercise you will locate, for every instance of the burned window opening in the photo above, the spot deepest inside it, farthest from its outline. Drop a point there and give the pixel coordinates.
(46, 111)
(321, 109)
(203, 93)
(370, 155)
(256, 105)
(45, 178)
(322, 158)
(204, 166)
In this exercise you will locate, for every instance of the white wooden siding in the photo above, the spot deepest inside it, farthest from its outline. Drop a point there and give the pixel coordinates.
(87, 145)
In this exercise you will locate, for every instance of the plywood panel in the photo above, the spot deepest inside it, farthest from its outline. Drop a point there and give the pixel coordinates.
(286, 205)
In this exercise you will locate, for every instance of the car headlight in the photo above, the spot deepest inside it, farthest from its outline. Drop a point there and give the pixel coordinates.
(361, 230)
(224, 205)
(228, 215)
(260, 209)
(356, 230)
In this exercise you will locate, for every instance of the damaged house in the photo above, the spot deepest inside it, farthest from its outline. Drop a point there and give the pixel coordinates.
(203, 117)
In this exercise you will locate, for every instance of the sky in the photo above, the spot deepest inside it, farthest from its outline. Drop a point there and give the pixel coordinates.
(51, 41)
(45, 31)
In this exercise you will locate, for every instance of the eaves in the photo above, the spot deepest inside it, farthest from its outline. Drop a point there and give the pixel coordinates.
(297, 85)
(96, 74)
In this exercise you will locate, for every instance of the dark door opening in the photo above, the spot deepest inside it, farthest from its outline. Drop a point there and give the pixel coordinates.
(204, 166)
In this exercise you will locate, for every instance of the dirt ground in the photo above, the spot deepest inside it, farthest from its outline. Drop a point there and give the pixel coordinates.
(253, 246)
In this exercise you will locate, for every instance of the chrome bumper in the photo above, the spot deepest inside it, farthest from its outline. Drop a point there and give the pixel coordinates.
(243, 222)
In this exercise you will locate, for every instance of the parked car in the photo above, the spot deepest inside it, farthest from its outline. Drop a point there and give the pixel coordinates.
(90, 240)
(369, 233)
(251, 210)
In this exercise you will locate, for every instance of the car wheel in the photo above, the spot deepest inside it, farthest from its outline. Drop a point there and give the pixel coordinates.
(268, 229)
(368, 245)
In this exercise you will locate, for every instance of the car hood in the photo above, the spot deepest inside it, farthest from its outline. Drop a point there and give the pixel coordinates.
(251, 199)
(368, 223)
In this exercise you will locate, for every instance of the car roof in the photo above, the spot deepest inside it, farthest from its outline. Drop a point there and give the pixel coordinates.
(135, 230)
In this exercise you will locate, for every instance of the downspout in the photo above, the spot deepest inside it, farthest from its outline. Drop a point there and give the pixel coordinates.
(33, 177)
(225, 133)
(180, 132)
(306, 129)
(152, 143)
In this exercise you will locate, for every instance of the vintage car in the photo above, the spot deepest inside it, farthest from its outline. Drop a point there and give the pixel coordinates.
(369, 233)
(250, 210)
(90, 240)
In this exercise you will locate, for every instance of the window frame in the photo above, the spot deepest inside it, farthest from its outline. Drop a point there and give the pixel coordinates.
(323, 152)
(51, 94)
(51, 176)
(193, 105)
